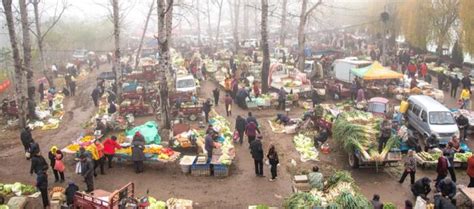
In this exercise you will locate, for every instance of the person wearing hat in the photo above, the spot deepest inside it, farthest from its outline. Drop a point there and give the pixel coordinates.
(71, 190)
(55, 158)
(87, 171)
(138, 156)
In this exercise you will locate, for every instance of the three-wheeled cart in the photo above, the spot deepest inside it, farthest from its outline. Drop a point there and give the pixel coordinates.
(100, 199)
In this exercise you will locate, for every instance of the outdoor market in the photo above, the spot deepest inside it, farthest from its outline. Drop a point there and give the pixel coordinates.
(313, 104)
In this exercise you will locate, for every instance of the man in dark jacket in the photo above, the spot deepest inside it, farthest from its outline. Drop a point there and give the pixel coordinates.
(257, 154)
(466, 83)
(209, 143)
(206, 108)
(26, 138)
(70, 192)
(240, 125)
(463, 124)
(138, 156)
(95, 96)
(421, 187)
(441, 202)
(216, 93)
(447, 188)
(38, 164)
(42, 185)
(454, 86)
(281, 99)
(87, 171)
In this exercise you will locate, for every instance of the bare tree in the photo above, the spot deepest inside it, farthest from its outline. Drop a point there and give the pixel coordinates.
(137, 57)
(234, 6)
(209, 28)
(198, 18)
(304, 15)
(116, 63)
(20, 97)
(283, 29)
(165, 16)
(25, 28)
(264, 46)
(219, 4)
(41, 36)
(246, 16)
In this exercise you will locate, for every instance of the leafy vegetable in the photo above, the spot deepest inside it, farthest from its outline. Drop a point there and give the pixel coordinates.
(389, 205)
(301, 200)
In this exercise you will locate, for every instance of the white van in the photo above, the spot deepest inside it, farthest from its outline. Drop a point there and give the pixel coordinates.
(428, 116)
(186, 83)
(342, 68)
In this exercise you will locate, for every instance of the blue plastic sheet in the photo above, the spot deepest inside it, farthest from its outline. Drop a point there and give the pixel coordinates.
(148, 130)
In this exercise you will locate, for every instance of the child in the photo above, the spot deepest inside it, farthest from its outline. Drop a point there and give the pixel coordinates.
(273, 160)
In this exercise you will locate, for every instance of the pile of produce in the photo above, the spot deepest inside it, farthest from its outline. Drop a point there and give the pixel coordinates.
(339, 192)
(17, 189)
(221, 125)
(81, 142)
(156, 204)
(158, 150)
(389, 205)
(430, 156)
(276, 127)
(357, 130)
(462, 157)
(305, 146)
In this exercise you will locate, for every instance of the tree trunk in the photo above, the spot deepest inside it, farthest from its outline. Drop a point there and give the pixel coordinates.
(236, 25)
(137, 57)
(301, 36)
(27, 59)
(264, 45)
(283, 23)
(198, 17)
(40, 40)
(209, 28)
(20, 97)
(164, 33)
(245, 34)
(116, 63)
(220, 2)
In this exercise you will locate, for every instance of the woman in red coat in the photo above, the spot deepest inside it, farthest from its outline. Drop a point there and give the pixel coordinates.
(110, 145)
(470, 170)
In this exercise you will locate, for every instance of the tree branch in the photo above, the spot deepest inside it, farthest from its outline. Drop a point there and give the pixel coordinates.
(55, 21)
(310, 10)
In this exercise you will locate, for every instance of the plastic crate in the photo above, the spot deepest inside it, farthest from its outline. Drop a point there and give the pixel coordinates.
(221, 170)
(201, 170)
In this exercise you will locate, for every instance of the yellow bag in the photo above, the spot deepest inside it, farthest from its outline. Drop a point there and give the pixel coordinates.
(403, 107)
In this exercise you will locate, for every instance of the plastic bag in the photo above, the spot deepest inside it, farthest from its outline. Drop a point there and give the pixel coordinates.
(59, 165)
(420, 203)
(236, 136)
(78, 168)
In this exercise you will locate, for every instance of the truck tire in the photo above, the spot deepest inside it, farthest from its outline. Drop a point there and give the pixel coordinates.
(192, 117)
(353, 160)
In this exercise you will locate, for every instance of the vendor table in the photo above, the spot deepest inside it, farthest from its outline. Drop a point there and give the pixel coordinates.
(149, 158)
(469, 193)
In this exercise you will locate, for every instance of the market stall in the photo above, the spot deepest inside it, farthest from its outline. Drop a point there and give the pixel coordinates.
(373, 73)
(49, 117)
(357, 133)
(18, 195)
(222, 155)
(290, 79)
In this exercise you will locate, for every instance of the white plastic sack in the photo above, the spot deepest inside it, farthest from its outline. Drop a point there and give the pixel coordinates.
(420, 203)
(78, 168)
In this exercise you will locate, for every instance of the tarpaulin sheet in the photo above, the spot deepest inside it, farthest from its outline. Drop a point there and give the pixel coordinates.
(149, 131)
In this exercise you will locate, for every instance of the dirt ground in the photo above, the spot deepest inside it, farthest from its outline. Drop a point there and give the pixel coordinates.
(163, 181)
